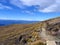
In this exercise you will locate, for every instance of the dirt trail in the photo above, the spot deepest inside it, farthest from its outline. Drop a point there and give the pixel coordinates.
(48, 38)
(50, 42)
(45, 36)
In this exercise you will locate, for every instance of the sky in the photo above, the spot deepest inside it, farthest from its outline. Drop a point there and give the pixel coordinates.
(31, 10)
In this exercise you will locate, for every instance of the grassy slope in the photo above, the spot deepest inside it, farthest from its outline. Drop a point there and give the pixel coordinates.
(9, 34)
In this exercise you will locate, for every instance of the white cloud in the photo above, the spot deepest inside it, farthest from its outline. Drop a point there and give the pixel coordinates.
(17, 3)
(32, 2)
(4, 6)
(51, 8)
(58, 1)
(44, 5)
(37, 2)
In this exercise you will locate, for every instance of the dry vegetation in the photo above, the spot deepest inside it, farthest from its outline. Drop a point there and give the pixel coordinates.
(24, 33)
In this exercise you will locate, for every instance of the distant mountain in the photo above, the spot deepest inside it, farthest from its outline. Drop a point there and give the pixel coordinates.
(8, 22)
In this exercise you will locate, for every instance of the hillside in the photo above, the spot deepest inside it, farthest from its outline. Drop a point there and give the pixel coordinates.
(29, 34)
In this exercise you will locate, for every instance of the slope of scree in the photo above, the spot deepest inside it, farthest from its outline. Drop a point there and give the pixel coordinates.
(26, 34)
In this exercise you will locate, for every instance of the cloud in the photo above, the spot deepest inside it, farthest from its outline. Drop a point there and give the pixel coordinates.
(4, 6)
(52, 8)
(43, 5)
(58, 1)
(17, 3)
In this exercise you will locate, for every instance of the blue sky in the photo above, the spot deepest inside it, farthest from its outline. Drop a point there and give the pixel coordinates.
(35, 10)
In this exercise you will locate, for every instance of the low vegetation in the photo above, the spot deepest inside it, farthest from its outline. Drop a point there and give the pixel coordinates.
(21, 34)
